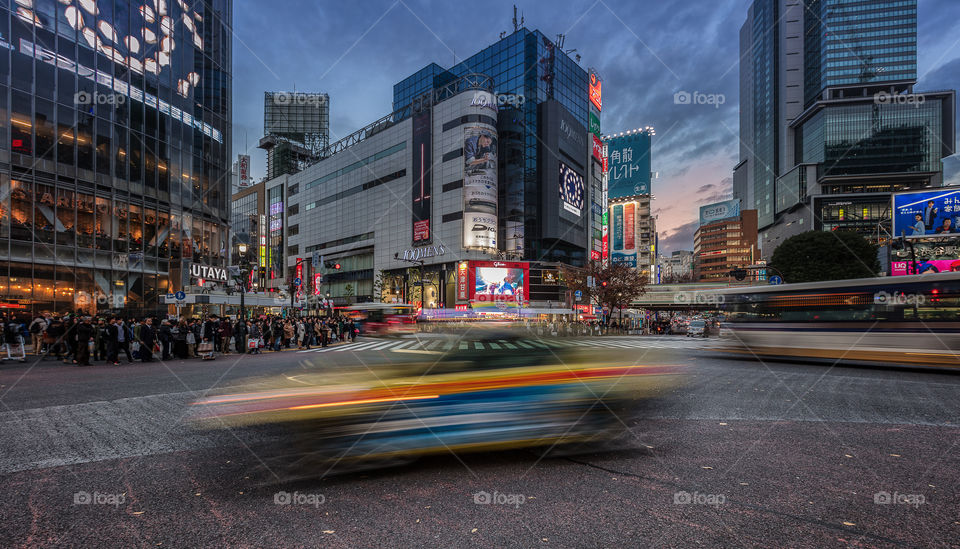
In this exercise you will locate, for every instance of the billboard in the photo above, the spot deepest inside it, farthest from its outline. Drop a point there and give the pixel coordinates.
(624, 228)
(596, 95)
(572, 190)
(597, 149)
(721, 210)
(900, 268)
(422, 178)
(479, 187)
(927, 213)
(499, 282)
(629, 165)
(243, 170)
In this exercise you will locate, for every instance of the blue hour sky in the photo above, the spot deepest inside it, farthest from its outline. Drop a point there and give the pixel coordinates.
(646, 51)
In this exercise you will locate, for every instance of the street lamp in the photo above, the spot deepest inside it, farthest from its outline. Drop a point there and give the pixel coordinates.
(244, 274)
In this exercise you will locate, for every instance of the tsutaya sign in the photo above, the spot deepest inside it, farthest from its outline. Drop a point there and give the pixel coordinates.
(416, 254)
(207, 272)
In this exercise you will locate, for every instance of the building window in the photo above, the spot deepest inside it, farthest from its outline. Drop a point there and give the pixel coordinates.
(452, 217)
(293, 230)
(453, 154)
(294, 209)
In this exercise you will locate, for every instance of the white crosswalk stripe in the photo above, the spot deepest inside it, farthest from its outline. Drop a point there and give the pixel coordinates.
(514, 345)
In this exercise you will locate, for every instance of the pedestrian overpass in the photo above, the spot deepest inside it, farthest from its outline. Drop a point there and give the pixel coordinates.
(683, 297)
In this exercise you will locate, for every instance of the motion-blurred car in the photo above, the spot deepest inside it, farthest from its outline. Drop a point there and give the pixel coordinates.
(697, 328)
(506, 392)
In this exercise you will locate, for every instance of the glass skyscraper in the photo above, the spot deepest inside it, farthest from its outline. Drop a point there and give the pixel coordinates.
(853, 42)
(528, 67)
(114, 150)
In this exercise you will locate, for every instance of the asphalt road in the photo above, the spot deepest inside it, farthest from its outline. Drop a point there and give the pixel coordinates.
(744, 454)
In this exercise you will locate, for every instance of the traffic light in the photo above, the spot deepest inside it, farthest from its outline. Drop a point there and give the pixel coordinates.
(336, 266)
(739, 274)
(332, 265)
(603, 283)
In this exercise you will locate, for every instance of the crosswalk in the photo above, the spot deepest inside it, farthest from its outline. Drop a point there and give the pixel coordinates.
(441, 345)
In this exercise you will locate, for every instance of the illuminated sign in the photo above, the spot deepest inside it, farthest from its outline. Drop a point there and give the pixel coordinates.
(927, 213)
(571, 190)
(594, 124)
(629, 165)
(243, 169)
(300, 272)
(492, 281)
(480, 187)
(416, 254)
(317, 283)
(463, 292)
(596, 96)
(420, 208)
(721, 210)
(597, 149)
(206, 271)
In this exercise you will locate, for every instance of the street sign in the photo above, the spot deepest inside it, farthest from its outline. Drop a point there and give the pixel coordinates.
(180, 295)
(297, 281)
(776, 279)
(578, 294)
(171, 296)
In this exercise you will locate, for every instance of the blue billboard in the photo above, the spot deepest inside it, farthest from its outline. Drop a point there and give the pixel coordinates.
(926, 213)
(727, 209)
(628, 158)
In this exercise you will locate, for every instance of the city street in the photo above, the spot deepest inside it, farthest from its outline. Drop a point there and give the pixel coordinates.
(744, 454)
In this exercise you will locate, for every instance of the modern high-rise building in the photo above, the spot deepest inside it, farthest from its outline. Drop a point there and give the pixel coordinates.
(632, 230)
(114, 152)
(296, 130)
(828, 110)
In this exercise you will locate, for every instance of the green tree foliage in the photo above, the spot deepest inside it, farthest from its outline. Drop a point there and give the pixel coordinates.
(817, 255)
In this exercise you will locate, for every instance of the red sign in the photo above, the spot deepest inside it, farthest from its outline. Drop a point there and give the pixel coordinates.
(300, 272)
(463, 281)
(317, 283)
(421, 230)
(597, 148)
(630, 224)
(604, 162)
(595, 255)
(596, 96)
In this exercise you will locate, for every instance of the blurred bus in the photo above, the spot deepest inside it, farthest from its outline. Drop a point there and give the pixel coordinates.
(908, 320)
(380, 319)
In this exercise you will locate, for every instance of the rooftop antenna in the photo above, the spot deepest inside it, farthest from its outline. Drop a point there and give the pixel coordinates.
(560, 39)
(516, 27)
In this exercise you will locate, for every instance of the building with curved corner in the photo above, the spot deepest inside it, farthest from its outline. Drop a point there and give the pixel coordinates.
(114, 151)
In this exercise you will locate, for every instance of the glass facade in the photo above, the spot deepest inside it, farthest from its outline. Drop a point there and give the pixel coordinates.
(114, 150)
(765, 113)
(852, 42)
(869, 138)
(525, 64)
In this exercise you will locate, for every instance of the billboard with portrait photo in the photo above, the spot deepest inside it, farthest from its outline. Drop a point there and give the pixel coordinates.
(479, 187)
(926, 213)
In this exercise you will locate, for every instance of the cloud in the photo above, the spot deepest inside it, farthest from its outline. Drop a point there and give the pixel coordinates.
(678, 238)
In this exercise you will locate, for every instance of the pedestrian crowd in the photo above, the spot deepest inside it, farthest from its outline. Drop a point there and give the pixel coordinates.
(79, 339)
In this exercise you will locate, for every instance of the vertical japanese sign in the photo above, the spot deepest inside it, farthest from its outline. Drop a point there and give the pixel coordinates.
(596, 95)
(300, 272)
(605, 225)
(317, 283)
(243, 169)
(629, 165)
(624, 249)
(479, 187)
(629, 225)
(594, 122)
(618, 227)
(422, 177)
(463, 280)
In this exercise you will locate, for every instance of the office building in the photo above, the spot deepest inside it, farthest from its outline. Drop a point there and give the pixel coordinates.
(722, 244)
(485, 182)
(114, 152)
(296, 130)
(828, 110)
(675, 268)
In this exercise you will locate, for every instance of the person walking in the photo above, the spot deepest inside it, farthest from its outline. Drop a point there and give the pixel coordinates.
(85, 333)
(165, 335)
(226, 336)
(36, 329)
(112, 340)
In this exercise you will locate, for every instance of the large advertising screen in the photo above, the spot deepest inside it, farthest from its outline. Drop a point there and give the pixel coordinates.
(721, 210)
(900, 268)
(629, 164)
(499, 283)
(596, 90)
(927, 213)
(572, 190)
(624, 228)
(479, 187)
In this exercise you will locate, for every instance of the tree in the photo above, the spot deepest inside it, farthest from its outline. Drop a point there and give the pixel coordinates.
(615, 285)
(818, 255)
(380, 283)
(348, 290)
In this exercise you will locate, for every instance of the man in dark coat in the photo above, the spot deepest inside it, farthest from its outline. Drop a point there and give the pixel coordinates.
(147, 339)
(165, 334)
(85, 332)
(112, 341)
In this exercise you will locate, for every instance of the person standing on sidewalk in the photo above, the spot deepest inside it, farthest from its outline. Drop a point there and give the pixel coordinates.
(37, 327)
(85, 333)
(112, 340)
(165, 334)
(147, 340)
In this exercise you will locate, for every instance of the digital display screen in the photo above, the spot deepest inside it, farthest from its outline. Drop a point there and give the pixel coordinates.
(503, 281)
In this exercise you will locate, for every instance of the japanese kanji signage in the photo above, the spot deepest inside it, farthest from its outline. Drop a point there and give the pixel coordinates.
(629, 165)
